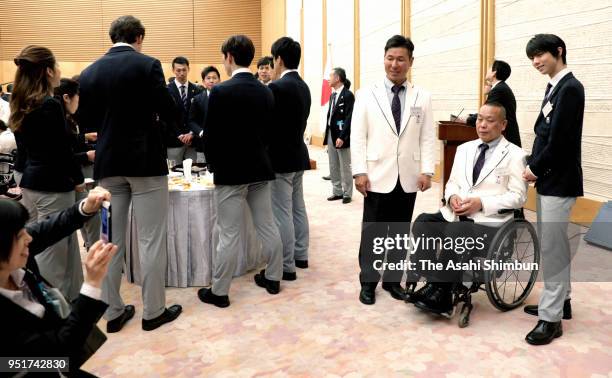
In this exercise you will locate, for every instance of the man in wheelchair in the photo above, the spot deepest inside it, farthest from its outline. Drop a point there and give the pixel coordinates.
(486, 177)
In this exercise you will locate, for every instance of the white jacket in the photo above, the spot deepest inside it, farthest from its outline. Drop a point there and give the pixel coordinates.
(499, 186)
(376, 148)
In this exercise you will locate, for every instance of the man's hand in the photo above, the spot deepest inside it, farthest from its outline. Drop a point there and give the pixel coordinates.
(95, 198)
(91, 137)
(528, 175)
(91, 155)
(186, 138)
(96, 262)
(362, 183)
(423, 182)
(455, 202)
(469, 206)
(339, 143)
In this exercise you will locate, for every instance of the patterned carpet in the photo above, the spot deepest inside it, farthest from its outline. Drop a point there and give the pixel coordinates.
(317, 327)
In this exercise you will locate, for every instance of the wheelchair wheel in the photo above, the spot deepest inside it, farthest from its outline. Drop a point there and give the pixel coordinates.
(508, 286)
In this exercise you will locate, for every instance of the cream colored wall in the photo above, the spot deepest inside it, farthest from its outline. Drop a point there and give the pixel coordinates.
(446, 36)
(379, 20)
(340, 34)
(586, 28)
(313, 59)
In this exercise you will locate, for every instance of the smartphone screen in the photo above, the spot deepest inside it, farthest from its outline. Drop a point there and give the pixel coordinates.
(105, 227)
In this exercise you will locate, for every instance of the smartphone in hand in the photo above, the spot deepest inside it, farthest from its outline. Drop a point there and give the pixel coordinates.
(105, 227)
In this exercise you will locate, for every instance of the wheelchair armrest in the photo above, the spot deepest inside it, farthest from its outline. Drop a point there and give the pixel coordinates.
(518, 213)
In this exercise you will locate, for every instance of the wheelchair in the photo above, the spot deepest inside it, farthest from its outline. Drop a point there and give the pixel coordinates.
(515, 241)
(7, 181)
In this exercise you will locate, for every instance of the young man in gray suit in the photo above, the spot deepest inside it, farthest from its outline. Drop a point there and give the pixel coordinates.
(555, 167)
(289, 154)
(236, 139)
(122, 93)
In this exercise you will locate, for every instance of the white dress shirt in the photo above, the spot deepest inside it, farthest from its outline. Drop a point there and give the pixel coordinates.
(286, 72)
(24, 298)
(402, 94)
(240, 70)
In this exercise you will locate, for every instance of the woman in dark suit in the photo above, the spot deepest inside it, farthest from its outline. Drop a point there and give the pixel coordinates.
(84, 152)
(35, 320)
(50, 172)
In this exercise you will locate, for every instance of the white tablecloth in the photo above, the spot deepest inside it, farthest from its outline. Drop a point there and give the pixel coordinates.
(192, 238)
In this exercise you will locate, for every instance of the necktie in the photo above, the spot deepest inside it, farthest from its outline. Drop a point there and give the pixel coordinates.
(396, 107)
(548, 87)
(332, 103)
(479, 162)
(183, 96)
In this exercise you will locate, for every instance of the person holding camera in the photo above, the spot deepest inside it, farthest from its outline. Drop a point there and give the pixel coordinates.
(36, 318)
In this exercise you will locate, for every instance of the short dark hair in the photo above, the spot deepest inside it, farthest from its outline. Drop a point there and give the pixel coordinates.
(543, 43)
(67, 86)
(180, 60)
(210, 69)
(502, 70)
(9, 88)
(289, 50)
(341, 73)
(13, 217)
(241, 48)
(400, 41)
(265, 61)
(498, 105)
(126, 29)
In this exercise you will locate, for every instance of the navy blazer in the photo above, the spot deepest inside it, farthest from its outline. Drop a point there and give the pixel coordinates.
(197, 118)
(123, 94)
(181, 120)
(291, 110)
(502, 94)
(341, 115)
(44, 148)
(556, 154)
(238, 131)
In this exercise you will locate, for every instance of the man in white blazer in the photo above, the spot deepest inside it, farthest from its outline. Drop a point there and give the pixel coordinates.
(486, 177)
(393, 156)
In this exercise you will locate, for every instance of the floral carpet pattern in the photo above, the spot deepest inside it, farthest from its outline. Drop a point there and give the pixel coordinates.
(316, 326)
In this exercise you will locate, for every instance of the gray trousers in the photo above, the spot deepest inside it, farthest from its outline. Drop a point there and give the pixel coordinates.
(340, 169)
(291, 218)
(149, 199)
(24, 200)
(60, 264)
(553, 219)
(178, 154)
(230, 201)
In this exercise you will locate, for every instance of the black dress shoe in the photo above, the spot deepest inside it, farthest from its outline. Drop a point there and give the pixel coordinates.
(544, 333)
(116, 324)
(334, 198)
(396, 290)
(439, 301)
(420, 294)
(289, 276)
(346, 199)
(206, 295)
(272, 287)
(302, 264)
(169, 314)
(326, 177)
(367, 295)
(567, 309)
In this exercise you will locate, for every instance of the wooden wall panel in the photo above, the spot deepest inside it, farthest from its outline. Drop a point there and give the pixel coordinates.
(168, 26)
(77, 30)
(216, 20)
(71, 29)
